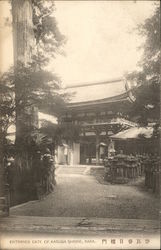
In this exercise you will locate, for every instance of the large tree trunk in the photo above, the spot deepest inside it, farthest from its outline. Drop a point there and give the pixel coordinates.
(23, 34)
(2, 182)
(26, 119)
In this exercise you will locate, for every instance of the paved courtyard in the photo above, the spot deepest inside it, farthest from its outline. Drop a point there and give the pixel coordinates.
(78, 194)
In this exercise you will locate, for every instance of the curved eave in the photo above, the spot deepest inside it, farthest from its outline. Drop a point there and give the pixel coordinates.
(94, 83)
(115, 99)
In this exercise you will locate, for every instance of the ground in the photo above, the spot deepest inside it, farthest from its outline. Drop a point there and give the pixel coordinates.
(79, 194)
(83, 207)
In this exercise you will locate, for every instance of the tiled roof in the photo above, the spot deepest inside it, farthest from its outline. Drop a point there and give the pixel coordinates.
(96, 91)
(134, 133)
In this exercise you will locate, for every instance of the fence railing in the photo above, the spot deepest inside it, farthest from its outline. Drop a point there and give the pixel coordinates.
(122, 168)
(152, 175)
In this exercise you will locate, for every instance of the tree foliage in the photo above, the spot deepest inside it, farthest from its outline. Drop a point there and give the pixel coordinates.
(39, 88)
(60, 132)
(25, 87)
(7, 102)
(47, 34)
(151, 56)
(146, 107)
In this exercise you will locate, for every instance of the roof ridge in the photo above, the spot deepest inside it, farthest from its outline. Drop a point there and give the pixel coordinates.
(94, 83)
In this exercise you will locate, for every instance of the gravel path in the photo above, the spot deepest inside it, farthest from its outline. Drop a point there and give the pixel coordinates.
(78, 195)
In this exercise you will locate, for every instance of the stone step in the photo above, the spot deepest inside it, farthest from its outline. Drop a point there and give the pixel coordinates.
(71, 170)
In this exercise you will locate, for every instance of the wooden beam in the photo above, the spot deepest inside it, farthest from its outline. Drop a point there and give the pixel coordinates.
(97, 147)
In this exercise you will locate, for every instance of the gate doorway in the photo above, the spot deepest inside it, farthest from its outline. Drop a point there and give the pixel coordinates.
(87, 153)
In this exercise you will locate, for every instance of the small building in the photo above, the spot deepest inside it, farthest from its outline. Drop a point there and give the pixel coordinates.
(137, 140)
(97, 109)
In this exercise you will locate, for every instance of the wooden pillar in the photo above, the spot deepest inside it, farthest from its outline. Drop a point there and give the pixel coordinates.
(97, 148)
(71, 154)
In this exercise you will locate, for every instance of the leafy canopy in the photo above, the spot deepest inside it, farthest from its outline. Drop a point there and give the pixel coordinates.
(26, 87)
(146, 108)
(47, 34)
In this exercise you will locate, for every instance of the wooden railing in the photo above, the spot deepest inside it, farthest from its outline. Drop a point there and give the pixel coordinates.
(122, 168)
(152, 174)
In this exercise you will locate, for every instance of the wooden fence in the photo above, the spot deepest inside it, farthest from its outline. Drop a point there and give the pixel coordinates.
(152, 174)
(122, 168)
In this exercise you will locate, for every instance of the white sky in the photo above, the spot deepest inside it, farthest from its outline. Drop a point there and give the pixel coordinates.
(101, 43)
(6, 53)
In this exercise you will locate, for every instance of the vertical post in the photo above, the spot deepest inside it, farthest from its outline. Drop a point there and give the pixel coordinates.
(97, 148)
(97, 132)
(71, 154)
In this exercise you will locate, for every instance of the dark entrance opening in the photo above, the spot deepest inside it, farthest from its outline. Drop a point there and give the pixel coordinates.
(87, 153)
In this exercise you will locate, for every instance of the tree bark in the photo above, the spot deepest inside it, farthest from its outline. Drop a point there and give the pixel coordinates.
(24, 47)
(23, 35)
(2, 194)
